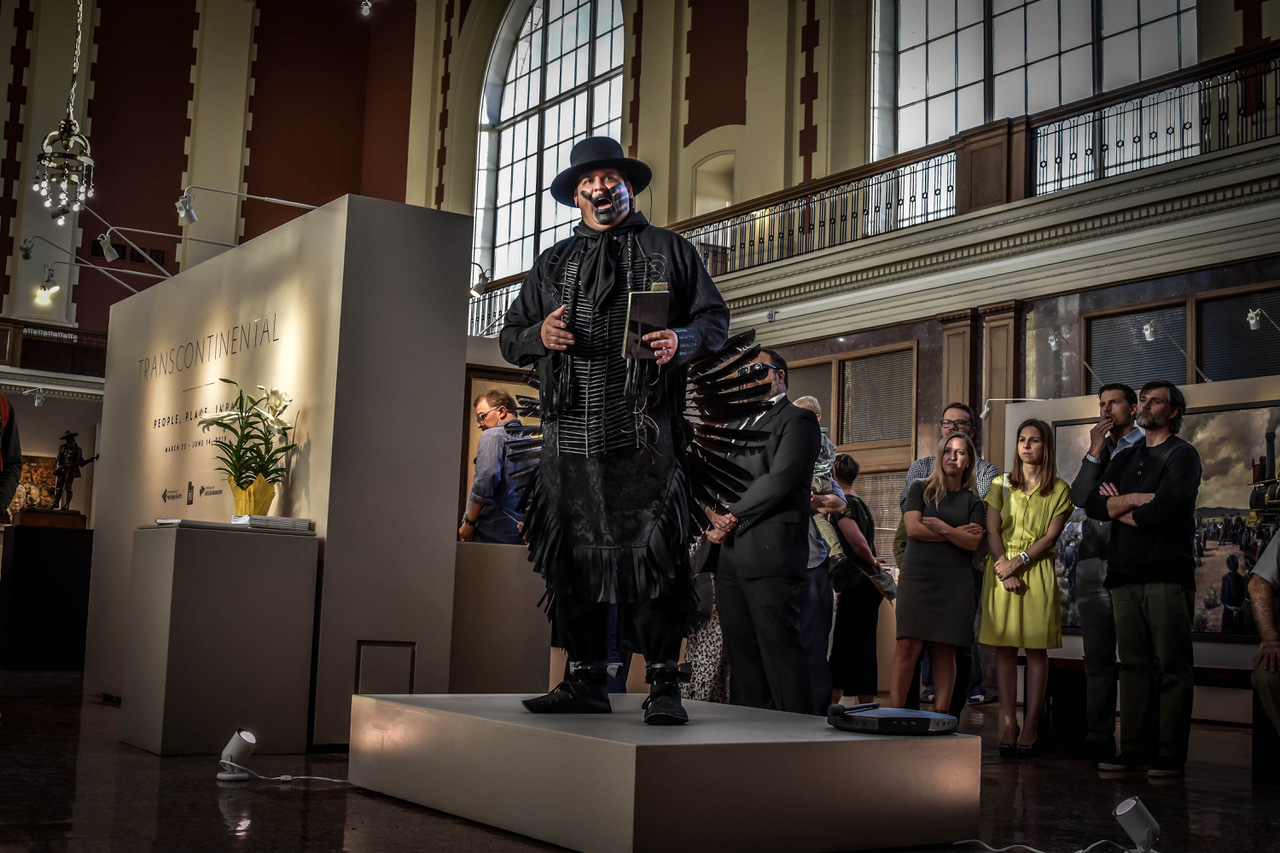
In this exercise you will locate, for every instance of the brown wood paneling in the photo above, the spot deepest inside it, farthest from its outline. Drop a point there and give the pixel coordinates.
(1001, 373)
(138, 126)
(308, 106)
(10, 167)
(959, 356)
(716, 87)
(389, 85)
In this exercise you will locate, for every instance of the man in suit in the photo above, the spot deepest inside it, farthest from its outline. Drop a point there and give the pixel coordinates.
(762, 589)
(1113, 434)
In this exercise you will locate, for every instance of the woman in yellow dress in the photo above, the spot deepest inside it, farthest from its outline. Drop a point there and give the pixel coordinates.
(1021, 605)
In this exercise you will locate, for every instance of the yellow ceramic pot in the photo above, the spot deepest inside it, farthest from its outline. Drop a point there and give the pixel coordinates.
(255, 500)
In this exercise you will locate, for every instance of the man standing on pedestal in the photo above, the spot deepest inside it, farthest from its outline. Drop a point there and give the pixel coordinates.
(1114, 433)
(607, 511)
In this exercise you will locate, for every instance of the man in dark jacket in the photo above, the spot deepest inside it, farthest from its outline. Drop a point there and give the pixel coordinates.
(607, 514)
(1149, 495)
(762, 588)
(1114, 433)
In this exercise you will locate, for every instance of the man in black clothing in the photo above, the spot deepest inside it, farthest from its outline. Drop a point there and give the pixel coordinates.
(1114, 434)
(606, 512)
(763, 589)
(1149, 494)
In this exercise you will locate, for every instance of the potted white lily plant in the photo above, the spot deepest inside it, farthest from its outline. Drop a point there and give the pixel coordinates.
(253, 452)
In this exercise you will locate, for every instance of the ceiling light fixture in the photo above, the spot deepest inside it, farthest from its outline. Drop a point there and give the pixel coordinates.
(39, 396)
(366, 6)
(1149, 332)
(64, 167)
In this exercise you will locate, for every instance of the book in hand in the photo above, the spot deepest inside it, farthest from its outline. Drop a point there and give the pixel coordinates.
(646, 312)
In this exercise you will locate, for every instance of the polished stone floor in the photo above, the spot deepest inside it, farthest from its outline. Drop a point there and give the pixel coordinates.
(66, 784)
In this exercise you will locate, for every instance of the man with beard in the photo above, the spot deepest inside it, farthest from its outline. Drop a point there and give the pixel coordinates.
(1149, 495)
(606, 513)
(1113, 434)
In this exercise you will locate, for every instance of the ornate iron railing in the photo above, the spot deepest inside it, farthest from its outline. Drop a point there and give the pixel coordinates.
(836, 216)
(1187, 120)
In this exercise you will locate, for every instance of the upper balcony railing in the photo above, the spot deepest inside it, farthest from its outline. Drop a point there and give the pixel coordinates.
(1181, 118)
(1215, 106)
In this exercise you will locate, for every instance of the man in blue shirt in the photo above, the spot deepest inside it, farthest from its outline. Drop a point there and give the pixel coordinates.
(491, 508)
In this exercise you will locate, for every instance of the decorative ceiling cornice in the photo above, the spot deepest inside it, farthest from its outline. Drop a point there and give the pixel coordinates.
(65, 385)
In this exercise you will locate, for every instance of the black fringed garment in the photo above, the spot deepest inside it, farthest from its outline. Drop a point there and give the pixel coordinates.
(607, 512)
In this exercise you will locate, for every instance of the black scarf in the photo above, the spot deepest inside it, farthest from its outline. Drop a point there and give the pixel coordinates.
(599, 269)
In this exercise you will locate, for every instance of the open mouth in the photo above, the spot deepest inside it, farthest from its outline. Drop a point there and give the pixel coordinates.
(602, 202)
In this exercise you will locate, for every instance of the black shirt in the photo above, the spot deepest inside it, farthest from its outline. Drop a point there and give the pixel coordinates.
(1160, 548)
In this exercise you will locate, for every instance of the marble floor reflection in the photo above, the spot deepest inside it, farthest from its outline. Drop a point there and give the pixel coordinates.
(67, 784)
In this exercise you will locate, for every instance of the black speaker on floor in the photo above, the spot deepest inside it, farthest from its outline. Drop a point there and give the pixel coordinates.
(873, 720)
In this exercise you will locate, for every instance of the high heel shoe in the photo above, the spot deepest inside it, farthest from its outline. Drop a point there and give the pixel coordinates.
(1009, 748)
(1026, 750)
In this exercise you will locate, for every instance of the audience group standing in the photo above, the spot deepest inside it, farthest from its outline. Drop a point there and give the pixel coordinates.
(978, 546)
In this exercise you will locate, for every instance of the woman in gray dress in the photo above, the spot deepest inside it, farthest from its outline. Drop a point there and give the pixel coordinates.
(944, 522)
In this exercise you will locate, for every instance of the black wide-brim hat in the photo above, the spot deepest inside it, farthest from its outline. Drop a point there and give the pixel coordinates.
(68, 434)
(598, 152)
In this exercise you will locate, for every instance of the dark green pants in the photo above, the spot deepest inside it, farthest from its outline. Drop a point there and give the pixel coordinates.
(1157, 685)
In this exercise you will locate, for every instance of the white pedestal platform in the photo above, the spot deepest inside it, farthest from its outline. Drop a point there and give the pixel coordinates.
(733, 778)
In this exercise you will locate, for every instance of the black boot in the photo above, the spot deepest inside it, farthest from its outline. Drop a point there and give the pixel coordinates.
(663, 707)
(582, 693)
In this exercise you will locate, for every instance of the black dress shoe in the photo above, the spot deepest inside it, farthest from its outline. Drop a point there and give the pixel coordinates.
(663, 707)
(586, 694)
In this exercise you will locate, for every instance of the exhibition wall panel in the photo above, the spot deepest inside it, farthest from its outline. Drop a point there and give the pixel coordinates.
(357, 311)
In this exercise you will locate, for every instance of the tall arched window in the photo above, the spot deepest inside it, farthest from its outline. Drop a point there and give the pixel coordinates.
(555, 77)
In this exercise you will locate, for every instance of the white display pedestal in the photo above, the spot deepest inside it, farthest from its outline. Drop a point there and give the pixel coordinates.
(500, 634)
(221, 625)
(732, 779)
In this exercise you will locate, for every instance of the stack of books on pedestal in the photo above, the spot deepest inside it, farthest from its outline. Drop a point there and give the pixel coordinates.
(272, 522)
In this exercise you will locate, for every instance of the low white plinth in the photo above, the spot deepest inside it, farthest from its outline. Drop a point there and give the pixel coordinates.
(220, 628)
(732, 779)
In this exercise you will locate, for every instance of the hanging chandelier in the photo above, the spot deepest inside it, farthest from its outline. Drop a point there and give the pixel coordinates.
(64, 168)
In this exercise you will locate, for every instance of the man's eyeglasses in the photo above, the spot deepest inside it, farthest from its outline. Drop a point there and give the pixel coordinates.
(743, 371)
(480, 416)
(947, 423)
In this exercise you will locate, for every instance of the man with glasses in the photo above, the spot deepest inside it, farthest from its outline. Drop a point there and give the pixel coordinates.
(492, 508)
(956, 417)
(764, 590)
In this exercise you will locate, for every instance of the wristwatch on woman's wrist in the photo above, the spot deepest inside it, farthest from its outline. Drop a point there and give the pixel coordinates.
(1026, 560)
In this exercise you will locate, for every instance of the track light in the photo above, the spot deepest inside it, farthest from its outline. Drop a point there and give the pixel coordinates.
(986, 407)
(1054, 341)
(39, 396)
(186, 213)
(1138, 822)
(1255, 316)
(25, 248)
(366, 6)
(234, 755)
(58, 214)
(1149, 332)
(482, 282)
(108, 251)
(48, 287)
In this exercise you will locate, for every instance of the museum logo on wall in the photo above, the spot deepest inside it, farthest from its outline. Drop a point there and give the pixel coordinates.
(171, 495)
